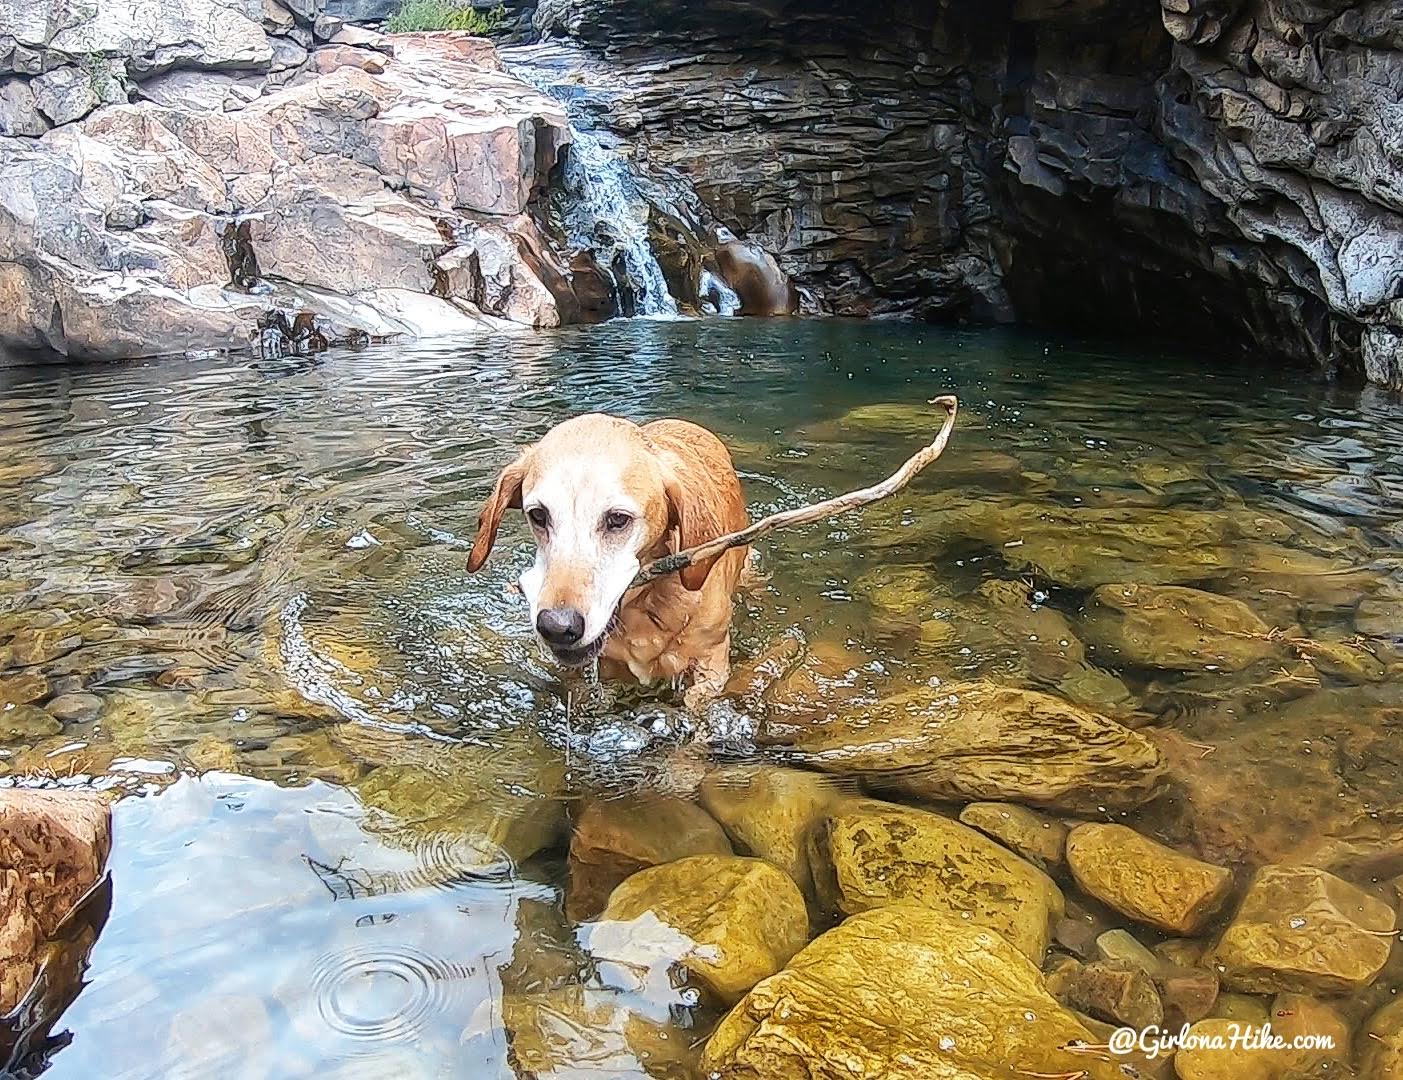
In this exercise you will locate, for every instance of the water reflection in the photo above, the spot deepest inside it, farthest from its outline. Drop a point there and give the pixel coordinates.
(234, 591)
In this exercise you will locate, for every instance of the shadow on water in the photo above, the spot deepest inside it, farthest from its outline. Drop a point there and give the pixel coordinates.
(233, 593)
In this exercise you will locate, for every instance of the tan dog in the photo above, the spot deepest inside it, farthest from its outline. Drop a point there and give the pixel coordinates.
(604, 497)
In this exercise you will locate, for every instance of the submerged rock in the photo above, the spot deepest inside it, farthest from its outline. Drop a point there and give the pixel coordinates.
(1213, 1051)
(729, 921)
(614, 838)
(904, 993)
(977, 740)
(770, 812)
(1145, 880)
(1303, 930)
(1380, 1044)
(1176, 628)
(1187, 994)
(1111, 990)
(26, 723)
(869, 854)
(1040, 839)
(574, 1031)
(1297, 1017)
(464, 807)
(1339, 753)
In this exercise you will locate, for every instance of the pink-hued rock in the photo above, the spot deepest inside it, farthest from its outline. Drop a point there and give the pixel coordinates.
(336, 192)
(53, 847)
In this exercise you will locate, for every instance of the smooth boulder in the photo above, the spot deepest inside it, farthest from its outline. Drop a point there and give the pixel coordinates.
(1145, 880)
(1304, 930)
(1040, 839)
(770, 812)
(615, 838)
(869, 854)
(1211, 1053)
(1175, 628)
(979, 740)
(902, 993)
(729, 921)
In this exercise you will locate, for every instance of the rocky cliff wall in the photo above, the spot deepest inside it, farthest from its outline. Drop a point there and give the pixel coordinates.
(1228, 171)
(209, 175)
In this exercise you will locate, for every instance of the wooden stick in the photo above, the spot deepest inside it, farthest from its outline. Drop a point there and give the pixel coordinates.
(804, 515)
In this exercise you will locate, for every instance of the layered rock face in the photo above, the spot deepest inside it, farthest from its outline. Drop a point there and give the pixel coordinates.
(276, 179)
(1221, 170)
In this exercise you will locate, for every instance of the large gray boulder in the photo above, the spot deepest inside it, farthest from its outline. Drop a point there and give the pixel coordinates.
(223, 208)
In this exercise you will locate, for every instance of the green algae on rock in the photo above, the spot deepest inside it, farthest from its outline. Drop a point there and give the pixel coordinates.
(902, 992)
(977, 740)
(1303, 930)
(1145, 880)
(729, 921)
(869, 854)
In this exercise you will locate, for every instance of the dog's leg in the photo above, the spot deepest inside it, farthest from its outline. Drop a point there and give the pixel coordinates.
(709, 675)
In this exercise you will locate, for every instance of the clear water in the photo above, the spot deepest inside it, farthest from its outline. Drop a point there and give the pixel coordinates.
(345, 771)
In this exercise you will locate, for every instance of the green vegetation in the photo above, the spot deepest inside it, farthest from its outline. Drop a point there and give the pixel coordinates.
(444, 15)
(98, 72)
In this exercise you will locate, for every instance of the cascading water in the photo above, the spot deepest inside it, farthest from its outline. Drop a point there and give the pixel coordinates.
(714, 293)
(603, 211)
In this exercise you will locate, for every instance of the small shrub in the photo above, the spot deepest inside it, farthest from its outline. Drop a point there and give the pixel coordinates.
(417, 15)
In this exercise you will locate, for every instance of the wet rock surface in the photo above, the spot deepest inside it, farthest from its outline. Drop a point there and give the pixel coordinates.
(869, 854)
(1175, 628)
(322, 736)
(1302, 930)
(1145, 880)
(736, 920)
(982, 741)
(53, 849)
(1191, 163)
(1039, 838)
(1114, 991)
(1333, 751)
(614, 838)
(770, 813)
(901, 992)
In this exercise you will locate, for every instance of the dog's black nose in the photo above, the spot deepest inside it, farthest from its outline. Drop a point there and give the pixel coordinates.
(561, 625)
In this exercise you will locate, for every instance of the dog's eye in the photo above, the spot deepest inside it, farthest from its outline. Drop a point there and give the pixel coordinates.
(538, 516)
(617, 520)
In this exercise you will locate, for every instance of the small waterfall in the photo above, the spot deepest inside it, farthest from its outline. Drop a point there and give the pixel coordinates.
(716, 294)
(605, 213)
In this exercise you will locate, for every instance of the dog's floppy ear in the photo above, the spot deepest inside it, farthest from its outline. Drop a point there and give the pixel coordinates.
(506, 494)
(693, 507)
